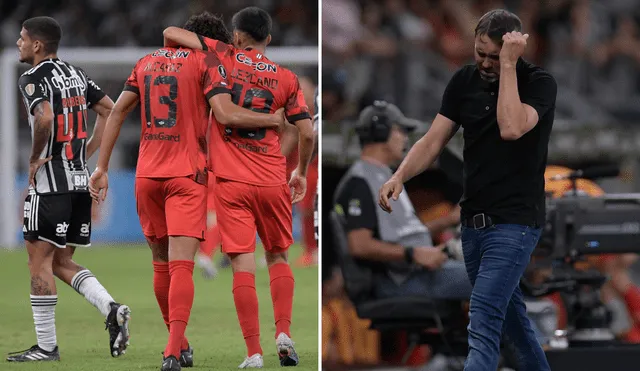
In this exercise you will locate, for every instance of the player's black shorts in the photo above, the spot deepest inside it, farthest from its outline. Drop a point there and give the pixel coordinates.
(60, 219)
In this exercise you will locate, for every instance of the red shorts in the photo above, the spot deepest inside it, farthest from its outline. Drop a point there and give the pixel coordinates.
(211, 200)
(173, 207)
(244, 209)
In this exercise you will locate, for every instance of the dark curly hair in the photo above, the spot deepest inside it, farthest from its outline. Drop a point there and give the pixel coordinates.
(209, 25)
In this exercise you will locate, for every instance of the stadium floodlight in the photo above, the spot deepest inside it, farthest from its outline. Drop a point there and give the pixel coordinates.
(116, 63)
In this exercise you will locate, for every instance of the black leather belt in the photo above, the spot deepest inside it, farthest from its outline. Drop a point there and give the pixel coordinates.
(478, 221)
(482, 221)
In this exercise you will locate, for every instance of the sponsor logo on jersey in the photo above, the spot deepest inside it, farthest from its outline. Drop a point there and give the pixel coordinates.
(64, 82)
(171, 54)
(248, 147)
(162, 136)
(258, 66)
(80, 179)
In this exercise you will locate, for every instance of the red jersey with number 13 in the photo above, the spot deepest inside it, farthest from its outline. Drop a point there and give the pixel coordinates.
(254, 156)
(174, 86)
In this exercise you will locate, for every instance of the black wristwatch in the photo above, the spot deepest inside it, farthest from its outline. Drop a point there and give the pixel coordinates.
(408, 254)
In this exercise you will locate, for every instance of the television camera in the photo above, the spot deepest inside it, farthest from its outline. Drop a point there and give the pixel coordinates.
(578, 225)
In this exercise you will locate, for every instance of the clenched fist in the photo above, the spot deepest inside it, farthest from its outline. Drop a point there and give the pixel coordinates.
(513, 46)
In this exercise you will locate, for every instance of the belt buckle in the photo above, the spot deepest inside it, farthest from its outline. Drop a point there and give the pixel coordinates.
(482, 217)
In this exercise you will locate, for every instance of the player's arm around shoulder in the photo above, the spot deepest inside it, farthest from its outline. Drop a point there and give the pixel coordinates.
(175, 37)
(217, 90)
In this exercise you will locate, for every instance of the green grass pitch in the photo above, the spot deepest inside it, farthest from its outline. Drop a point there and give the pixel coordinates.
(127, 272)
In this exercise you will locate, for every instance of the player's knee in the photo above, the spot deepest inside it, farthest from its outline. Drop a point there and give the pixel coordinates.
(243, 262)
(183, 248)
(275, 258)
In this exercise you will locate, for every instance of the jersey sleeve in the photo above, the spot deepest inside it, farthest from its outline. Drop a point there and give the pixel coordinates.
(358, 205)
(540, 93)
(132, 81)
(94, 93)
(34, 90)
(212, 45)
(215, 77)
(296, 108)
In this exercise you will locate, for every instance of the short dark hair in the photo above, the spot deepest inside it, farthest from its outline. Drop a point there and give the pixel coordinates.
(254, 21)
(46, 30)
(496, 23)
(209, 25)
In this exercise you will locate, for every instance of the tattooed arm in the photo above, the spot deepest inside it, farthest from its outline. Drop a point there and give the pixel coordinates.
(42, 125)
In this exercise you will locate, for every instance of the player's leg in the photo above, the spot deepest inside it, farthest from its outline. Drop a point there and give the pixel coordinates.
(161, 285)
(274, 225)
(212, 235)
(238, 231)
(116, 315)
(45, 221)
(185, 208)
(150, 204)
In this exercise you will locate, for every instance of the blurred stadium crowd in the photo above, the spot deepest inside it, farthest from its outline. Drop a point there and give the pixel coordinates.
(120, 23)
(130, 23)
(406, 50)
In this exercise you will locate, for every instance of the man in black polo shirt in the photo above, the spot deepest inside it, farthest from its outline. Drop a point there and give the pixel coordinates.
(506, 107)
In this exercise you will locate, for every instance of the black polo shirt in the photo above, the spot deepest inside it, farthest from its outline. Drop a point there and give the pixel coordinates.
(502, 178)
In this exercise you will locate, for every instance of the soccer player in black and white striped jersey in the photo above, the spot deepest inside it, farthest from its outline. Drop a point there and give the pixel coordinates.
(57, 210)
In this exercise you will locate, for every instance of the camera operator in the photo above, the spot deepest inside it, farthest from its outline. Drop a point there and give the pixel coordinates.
(506, 107)
(398, 246)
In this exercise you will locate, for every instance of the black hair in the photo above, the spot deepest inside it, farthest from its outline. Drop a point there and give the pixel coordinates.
(253, 21)
(209, 25)
(46, 30)
(496, 23)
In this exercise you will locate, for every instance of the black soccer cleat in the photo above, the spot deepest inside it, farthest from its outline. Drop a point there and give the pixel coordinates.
(186, 357)
(34, 354)
(290, 359)
(286, 352)
(118, 325)
(170, 364)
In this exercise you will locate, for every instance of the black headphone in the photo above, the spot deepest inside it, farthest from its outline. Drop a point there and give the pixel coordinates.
(379, 129)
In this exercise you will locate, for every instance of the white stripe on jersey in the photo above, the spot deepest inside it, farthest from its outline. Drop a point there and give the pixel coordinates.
(64, 94)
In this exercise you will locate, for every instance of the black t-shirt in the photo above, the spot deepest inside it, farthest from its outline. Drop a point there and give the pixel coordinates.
(502, 178)
(358, 205)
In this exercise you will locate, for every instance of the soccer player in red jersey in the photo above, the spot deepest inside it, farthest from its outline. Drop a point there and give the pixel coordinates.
(171, 176)
(252, 194)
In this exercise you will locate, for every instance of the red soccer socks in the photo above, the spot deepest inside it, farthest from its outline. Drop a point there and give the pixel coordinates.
(181, 292)
(282, 285)
(246, 300)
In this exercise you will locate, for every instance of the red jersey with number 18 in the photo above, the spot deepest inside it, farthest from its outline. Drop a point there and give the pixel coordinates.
(254, 156)
(172, 85)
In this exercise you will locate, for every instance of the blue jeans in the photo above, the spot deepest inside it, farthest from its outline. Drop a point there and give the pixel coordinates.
(448, 282)
(496, 258)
